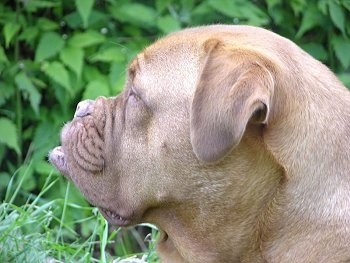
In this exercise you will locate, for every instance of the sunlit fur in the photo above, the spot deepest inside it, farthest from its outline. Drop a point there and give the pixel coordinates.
(231, 139)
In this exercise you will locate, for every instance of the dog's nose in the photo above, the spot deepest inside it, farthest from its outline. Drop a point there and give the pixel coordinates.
(84, 108)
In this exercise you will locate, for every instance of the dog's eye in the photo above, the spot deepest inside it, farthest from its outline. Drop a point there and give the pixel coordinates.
(136, 111)
(133, 98)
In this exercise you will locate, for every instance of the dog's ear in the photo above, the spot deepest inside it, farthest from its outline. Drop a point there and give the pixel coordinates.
(235, 87)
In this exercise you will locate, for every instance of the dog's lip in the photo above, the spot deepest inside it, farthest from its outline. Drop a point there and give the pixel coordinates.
(115, 218)
(57, 158)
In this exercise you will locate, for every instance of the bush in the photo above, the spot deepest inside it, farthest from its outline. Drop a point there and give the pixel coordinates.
(56, 53)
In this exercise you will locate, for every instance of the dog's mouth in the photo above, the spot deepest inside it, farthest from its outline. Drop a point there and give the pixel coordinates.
(114, 218)
(57, 158)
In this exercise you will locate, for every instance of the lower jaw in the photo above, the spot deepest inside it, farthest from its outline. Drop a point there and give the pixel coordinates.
(114, 218)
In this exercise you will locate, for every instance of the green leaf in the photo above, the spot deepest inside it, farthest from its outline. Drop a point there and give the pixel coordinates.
(95, 89)
(168, 24)
(74, 58)
(7, 90)
(45, 137)
(161, 5)
(316, 50)
(298, 6)
(47, 24)
(341, 48)
(26, 86)
(337, 15)
(312, 18)
(73, 20)
(29, 34)
(202, 10)
(345, 78)
(92, 73)
(44, 167)
(49, 45)
(273, 3)
(8, 134)
(346, 4)
(86, 39)
(4, 179)
(57, 72)
(108, 55)
(322, 6)
(10, 29)
(84, 8)
(227, 7)
(118, 85)
(188, 4)
(241, 9)
(33, 5)
(117, 77)
(3, 57)
(136, 14)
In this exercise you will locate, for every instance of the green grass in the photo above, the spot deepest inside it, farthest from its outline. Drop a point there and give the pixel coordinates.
(41, 230)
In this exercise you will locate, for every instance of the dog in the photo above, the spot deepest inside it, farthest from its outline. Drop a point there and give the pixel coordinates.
(232, 140)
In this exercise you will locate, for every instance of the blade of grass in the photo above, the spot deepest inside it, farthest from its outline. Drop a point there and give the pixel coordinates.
(104, 238)
(59, 234)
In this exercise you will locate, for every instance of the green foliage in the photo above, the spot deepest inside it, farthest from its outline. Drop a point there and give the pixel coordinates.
(8, 134)
(37, 231)
(55, 53)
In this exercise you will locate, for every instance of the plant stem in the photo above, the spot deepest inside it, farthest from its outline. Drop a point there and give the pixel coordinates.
(19, 114)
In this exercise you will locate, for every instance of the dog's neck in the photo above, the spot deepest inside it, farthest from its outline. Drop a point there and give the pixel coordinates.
(197, 230)
(309, 138)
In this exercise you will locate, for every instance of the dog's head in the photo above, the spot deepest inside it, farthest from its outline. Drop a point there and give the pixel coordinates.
(186, 127)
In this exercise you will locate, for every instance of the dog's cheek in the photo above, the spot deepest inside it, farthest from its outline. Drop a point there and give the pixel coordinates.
(137, 115)
(172, 148)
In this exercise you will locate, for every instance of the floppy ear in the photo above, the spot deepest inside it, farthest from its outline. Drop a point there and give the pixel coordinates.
(235, 87)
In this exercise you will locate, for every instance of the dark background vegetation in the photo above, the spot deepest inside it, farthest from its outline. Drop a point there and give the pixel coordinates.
(54, 53)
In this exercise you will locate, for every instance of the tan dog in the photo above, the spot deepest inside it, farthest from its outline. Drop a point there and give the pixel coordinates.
(231, 139)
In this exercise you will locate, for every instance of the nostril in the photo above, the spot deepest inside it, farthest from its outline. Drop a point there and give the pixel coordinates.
(84, 108)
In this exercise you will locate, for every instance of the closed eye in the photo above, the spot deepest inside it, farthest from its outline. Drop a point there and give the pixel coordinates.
(133, 97)
(135, 100)
(136, 112)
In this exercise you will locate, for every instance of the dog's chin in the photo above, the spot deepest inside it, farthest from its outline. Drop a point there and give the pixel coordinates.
(57, 158)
